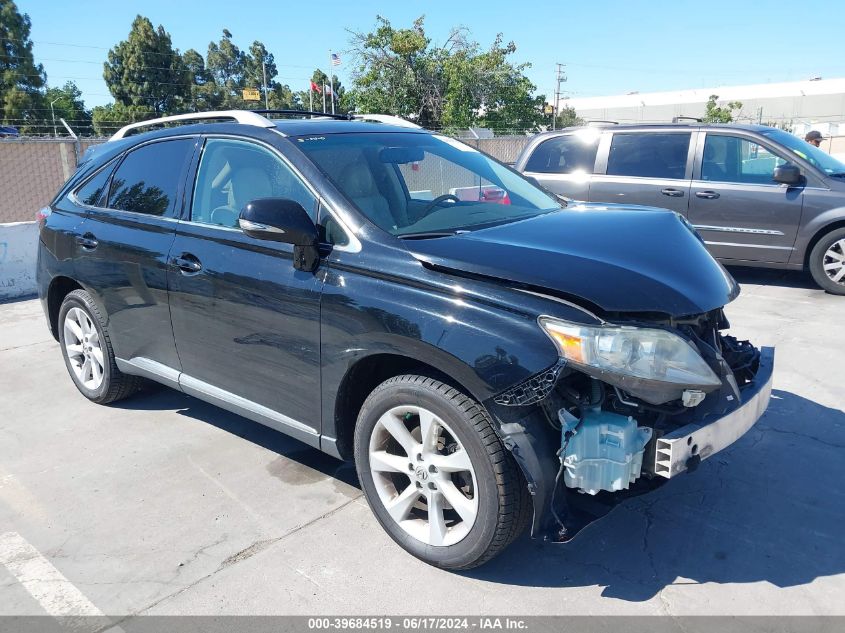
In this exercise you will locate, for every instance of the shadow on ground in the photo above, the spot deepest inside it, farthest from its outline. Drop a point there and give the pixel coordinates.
(770, 508)
(307, 458)
(771, 277)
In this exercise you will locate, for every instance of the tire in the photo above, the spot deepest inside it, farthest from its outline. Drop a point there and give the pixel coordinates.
(83, 337)
(462, 456)
(829, 251)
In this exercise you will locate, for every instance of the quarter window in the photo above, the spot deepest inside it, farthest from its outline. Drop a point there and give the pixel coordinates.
(572, 153)
(232, 173)
(148, 178)
(649, 155)
(735, 159)
(93, 191)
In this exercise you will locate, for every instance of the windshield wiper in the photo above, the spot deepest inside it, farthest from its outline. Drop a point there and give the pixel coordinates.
(425, 235)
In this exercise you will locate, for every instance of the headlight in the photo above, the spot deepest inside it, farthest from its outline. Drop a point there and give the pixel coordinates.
(641, 354)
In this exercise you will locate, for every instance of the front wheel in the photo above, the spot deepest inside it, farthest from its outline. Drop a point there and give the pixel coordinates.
(436, 475)
(827, 262)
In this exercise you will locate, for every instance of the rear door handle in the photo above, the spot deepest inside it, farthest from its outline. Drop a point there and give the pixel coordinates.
(187, 263)
(707, 195)
(672, 193)
(87, 241)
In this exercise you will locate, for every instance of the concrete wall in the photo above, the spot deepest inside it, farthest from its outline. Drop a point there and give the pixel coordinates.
(18, 251)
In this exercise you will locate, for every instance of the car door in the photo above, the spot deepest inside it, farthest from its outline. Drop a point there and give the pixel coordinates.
(123, 248)
(736, 206)
(246, 322)
(564, 164)
(651, 168)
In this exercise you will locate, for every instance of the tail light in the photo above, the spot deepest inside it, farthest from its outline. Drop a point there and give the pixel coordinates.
(42, 215)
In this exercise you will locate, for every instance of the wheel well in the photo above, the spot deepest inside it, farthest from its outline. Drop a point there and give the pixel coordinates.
(360, 381)
(819, 235)
(60, 287)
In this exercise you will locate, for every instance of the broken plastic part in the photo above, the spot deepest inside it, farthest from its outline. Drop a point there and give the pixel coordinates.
(692, 397)
(603, 452)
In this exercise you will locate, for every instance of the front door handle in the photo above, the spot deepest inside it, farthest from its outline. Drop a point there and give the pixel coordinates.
(87, 241)
(187, 263)
(672, 193)
(707, 195)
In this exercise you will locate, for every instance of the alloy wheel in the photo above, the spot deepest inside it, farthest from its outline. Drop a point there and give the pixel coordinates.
(834, 261)
(83, 347)
(423, 475)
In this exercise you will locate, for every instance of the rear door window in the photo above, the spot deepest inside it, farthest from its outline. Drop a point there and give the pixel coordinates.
(649, 155)
(572, 153)
(148, 179)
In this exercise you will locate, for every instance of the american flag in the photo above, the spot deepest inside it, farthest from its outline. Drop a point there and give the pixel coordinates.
(335, 59)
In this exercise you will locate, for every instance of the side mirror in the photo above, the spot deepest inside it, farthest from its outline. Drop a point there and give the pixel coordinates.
(283, 220)
(787, 175)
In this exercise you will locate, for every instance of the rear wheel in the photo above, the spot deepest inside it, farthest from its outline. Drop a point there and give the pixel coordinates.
(827, 262)
(436, 474)
(88, 353)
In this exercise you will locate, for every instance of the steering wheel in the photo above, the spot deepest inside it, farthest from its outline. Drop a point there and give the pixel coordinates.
(438, 200)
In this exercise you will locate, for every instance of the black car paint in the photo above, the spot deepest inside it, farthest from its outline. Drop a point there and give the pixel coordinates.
(251, 325)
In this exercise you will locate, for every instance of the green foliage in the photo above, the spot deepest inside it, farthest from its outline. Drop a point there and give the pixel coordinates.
(720, 114)
(68, 105)
(108, 119)
(567, 117)
(322, 79)
(146, 71)
(21, 79)
(451, 86)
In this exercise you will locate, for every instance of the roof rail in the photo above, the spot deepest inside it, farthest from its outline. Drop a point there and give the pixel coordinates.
(679, 119)
(244, 117)
(601, 122)
(326, 115)
(387, 118)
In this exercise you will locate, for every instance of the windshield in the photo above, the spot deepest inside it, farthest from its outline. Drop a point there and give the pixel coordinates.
(423, 185)
(815, 156)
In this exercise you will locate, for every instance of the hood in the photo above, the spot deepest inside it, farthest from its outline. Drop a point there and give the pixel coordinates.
(619, 258)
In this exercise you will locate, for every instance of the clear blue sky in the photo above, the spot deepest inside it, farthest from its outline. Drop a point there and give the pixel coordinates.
(610, 46)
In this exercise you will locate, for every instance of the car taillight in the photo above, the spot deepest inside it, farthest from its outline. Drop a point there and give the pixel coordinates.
(42, 215)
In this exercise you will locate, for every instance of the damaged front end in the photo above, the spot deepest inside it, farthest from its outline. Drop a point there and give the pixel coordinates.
(628, 406)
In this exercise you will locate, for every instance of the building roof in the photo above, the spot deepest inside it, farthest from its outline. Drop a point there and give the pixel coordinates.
(701, 95)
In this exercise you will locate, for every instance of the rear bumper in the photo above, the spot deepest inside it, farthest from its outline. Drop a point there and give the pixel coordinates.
(684, 448)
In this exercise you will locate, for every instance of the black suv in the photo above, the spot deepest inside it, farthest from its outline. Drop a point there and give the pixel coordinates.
(758, 196)
(490, 359)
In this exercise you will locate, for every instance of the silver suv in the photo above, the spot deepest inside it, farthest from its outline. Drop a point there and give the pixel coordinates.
(757, 195)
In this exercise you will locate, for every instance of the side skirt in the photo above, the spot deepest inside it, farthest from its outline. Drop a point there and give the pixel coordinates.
(227, 400)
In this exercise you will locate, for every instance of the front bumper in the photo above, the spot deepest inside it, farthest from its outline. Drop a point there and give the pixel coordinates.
(684, 448)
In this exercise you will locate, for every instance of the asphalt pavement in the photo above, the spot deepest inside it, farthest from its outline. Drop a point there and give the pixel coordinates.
(162, 504)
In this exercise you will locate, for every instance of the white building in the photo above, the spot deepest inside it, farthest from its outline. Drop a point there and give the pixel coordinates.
(817, 104)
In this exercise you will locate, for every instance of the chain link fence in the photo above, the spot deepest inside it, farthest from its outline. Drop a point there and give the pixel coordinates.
(33, 169)
(31, 172)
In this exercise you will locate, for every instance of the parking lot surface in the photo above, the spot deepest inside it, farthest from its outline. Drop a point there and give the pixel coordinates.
(162, 504)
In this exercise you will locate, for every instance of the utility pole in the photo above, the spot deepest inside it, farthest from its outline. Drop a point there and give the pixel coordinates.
(561, 77)
(264, 74)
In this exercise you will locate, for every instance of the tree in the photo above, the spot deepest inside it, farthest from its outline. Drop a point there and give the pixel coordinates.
(21, 79)
(204, 93)
(720, 114)
(145, 71)
(225, 63)
(108, 119)
(453, 85)
(68, 105)
(567, 117)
